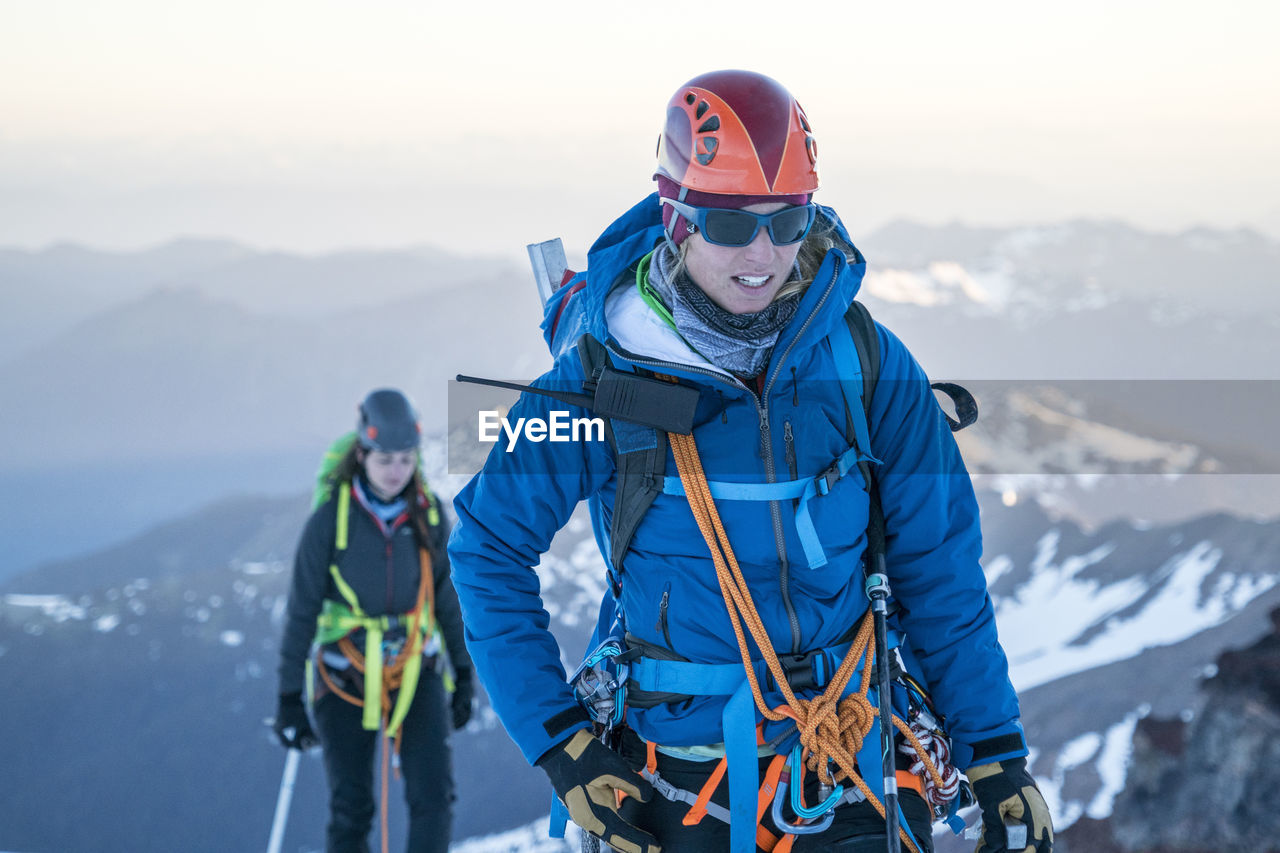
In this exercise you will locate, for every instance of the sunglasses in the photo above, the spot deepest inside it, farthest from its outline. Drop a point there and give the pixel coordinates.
(739, 227)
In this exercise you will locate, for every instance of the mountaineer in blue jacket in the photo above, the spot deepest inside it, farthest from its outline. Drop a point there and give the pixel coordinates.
(738, 596)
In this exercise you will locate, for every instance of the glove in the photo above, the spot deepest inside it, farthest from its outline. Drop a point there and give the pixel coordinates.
(1010, 800)
(586, 775)
(291, 725)
(461, 703)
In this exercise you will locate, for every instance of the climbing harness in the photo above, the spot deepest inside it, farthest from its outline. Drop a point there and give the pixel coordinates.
(832, 727)
(422, 636)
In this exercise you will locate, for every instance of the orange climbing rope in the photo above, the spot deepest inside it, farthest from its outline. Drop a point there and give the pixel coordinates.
(831, 729)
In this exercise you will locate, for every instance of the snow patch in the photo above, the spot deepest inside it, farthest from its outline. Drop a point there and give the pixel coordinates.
(1093, 446)
(940, 283)
(1079, 750)
(531, 838)
(1113, 765)
(1044, 621)
(59, 608)
(1108, 753)
(261, 568)
(902, 287)
(998, 567)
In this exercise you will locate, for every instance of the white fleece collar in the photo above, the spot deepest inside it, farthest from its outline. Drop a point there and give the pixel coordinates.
(638, 329)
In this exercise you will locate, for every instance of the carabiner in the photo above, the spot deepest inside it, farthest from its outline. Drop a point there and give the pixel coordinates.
(824, 814)
(797, 788)
(600, 683)
(796, 828)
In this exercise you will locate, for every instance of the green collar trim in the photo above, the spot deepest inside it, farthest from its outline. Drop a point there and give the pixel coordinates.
(654, 301)
(649, 295)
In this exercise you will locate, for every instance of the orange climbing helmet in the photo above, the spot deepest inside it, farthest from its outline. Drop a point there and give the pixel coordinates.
(737, 133)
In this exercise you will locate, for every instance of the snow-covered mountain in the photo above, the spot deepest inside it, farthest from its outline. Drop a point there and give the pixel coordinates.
(1202, 781)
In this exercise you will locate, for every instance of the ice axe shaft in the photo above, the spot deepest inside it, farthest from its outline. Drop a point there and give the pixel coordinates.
(549, 266)
(878, 592)
(283, 800)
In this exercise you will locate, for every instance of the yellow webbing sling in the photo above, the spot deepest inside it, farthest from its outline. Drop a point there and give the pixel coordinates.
(338, 621)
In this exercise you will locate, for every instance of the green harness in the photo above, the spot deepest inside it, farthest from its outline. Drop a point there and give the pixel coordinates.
(337, 621)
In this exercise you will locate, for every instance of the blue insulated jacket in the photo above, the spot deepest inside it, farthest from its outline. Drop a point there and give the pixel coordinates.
(508, 514)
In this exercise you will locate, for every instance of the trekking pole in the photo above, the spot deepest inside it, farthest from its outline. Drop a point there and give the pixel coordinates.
(878, 592)
(283, 800)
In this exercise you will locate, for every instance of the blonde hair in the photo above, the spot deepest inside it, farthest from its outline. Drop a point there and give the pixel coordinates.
(812, 252)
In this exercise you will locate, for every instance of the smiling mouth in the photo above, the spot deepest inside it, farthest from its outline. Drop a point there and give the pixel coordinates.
(752, 281)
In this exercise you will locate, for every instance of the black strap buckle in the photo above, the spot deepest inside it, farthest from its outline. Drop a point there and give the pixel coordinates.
(828, 478)
(800, 671)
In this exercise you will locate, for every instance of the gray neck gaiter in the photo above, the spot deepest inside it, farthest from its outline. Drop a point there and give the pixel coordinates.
(738, 343)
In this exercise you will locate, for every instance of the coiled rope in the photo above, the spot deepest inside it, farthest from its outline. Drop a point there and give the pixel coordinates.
(831, 729)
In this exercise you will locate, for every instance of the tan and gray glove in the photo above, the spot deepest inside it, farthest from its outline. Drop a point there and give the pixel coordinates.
(587, 776)
(1013, 809)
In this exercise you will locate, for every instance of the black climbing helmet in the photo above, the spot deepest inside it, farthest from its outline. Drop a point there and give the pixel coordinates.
(388, 422)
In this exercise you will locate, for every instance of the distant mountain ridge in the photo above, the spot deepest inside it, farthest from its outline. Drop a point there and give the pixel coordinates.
(1224, 272)
(46, 292)
(209, 357)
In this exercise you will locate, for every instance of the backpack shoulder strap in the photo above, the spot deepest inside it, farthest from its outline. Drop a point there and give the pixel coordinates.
(867, 342)
(342, 515)
(858, 366)
(640, 452)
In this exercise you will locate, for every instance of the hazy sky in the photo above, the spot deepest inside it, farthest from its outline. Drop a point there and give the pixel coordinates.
(316, 125)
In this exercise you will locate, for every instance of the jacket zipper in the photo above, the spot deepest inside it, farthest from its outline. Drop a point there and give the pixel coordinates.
(391, 582)
(784, 566)
(662, 617)
(789, 441)
(779, 537)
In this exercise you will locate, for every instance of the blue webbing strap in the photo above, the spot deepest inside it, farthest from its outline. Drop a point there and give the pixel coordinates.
(817, 487)
(686, 677)
(739, 721)
(849, 369)
(803, 490)
(726, 491)
(718, 679)
(559, 818)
